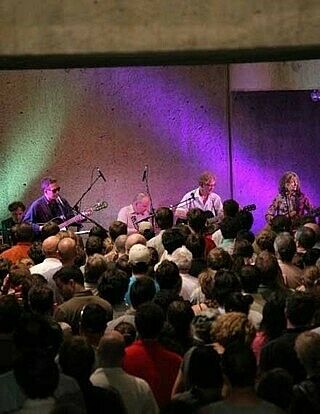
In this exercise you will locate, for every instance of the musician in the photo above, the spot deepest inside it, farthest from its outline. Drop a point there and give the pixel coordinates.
(138, 210)
(16, 209)
(49, 206)
(202, 197)
(290, 201)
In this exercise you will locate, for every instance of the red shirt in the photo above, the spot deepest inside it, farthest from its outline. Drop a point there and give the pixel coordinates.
(17, 252)
(159, 367)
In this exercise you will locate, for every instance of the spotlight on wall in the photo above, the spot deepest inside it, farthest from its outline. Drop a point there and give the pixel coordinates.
(315, 95)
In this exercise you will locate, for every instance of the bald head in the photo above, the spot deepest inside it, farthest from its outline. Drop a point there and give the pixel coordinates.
(120, 243)
(111, 349)
(50, 246)
(67, 250)
(133, 239)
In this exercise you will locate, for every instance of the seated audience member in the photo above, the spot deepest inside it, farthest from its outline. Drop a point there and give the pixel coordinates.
(137, 211)
(170, 282)
(145, 228)
(76, 359)
(229, 228)
(37, 375)
(24, 235)
(225, 283)
(310, 280)
(265, 241)
(245, 219)
(98, 231)
(276, 386)
(36, 253)
(176, 334)
(13, 283)
(94, 244)
(117, 228)
(133, 239)
(142, 290)
(149, 360)
(306, 396)
(285, 249)
(93, 270)
(305, 239)
(316, 228)
(238, 302)
(112, 286)
(310, 257)
(242, 255)
(230, 209)
(250, 281)
(135, 392)
(240, 369)
(197, 220)
(128, 331)
(118, 250)
(172, 239)
(49, 229)
(271, 279)
(202, 297)
(93, 323)
(280, 224)
(219, 259)
(280, 352)
(35, 333)
(70, 282)
(195, 243)
(10, 312)
(202, 378)
(182, 257)
(164, 220)
(16, 209)
(67, 251)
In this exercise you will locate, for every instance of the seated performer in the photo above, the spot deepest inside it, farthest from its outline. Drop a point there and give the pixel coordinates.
(201, 197)
(49, 206)
(138, 210)
(16, 209)
(290, 201)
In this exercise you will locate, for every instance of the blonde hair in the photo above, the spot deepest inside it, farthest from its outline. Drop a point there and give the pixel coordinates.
(232, 326)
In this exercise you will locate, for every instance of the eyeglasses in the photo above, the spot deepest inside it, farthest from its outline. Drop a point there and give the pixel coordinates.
(55, 190)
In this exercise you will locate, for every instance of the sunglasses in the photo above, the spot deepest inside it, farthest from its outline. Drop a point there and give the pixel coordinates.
(55, 190)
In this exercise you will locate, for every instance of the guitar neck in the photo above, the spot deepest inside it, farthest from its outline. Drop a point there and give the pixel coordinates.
(72, 220)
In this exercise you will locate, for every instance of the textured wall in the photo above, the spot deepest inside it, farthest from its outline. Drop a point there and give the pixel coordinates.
(68, 122)
(274, 132)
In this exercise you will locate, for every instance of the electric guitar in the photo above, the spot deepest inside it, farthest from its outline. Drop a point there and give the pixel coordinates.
(80, 216)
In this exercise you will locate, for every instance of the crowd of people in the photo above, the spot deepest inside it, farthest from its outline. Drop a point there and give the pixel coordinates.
(180, 310)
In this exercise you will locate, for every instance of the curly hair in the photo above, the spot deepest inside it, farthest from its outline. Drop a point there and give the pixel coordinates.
(285, 179)
(232, 327)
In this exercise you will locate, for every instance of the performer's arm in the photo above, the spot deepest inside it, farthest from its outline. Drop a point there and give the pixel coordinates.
(272, 210)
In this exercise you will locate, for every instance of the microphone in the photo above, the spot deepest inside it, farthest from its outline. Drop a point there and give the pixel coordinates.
(100, 173)
(145, 172)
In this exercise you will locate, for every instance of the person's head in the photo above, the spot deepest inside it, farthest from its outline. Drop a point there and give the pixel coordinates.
(247, 235)
(49, 229)
(37, 374)
(93, 320)
(280, 223)
(94, 268)
(76, 358)
(135, 238)
(113, 284)
(164, 218)
(149, 320)
(206, 282)
(219, 259)
(203, 369)
(245, 219)
(67, 250)
(117, 228)
(207, 183)
(225, 282)
(23, 232)
(98, 231)
(196, 244)
(120, 244)
(67, 279)
(111, 350)
(307, 347)
(172, 239)
(17, 209)
(276, 386)
(128, 331)
(197, 220)
(315, 227)
(289, 183)
(168, 277)
(10, 312)
(180, 316)
(50, 188)
(300, 309)
(285, 247)
(36, 253)
(50, 246)
(41, 300)
(265, 240)
(182, 257)
(230, 208)
(238, 302)
(270, 272)
(243, 248)
(305, 237)
(139, 258)
(94, 244)
(229, 227)
(273, 316)
(141, 203)
(310, 257)
(311, 278)
(239, 365)
(250, 278)
(142, 290)
(201, 325)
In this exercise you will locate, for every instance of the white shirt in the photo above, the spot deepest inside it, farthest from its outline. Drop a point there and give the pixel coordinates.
(213, 202)
(47, 269)
(189, 284)
(128, 216)
(156, 242)
(135, 392)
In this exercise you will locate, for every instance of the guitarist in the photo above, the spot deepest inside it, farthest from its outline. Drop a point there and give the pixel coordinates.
(49, 206)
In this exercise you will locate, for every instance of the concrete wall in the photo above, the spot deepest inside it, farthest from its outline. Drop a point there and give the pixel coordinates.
(68, 122)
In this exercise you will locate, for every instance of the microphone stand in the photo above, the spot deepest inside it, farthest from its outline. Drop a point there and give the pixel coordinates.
(76, 206)
(152, 215)
(182, 203)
